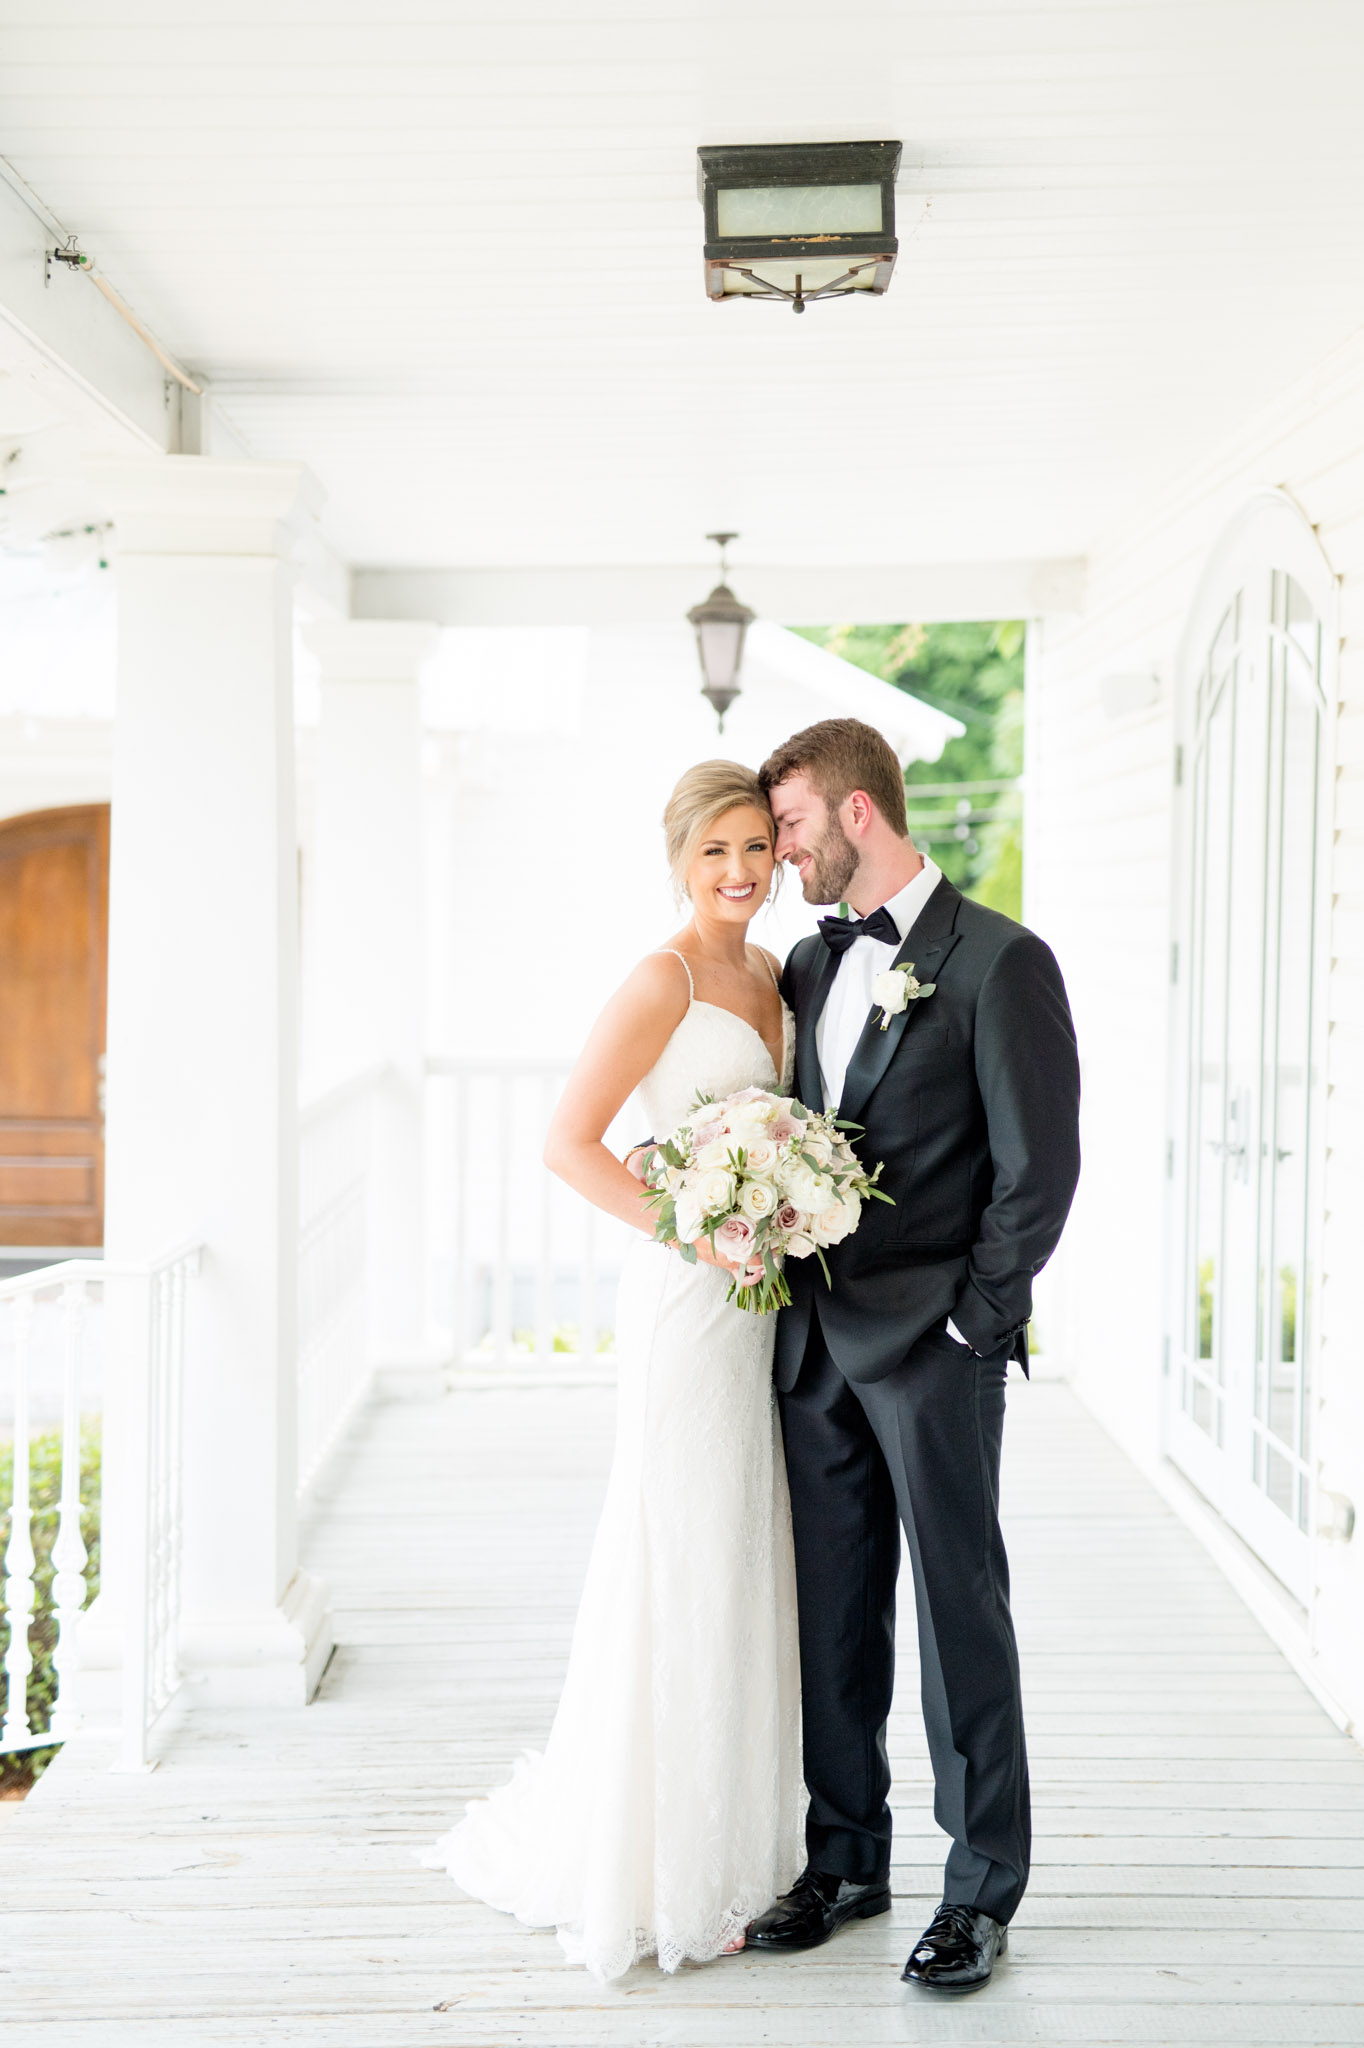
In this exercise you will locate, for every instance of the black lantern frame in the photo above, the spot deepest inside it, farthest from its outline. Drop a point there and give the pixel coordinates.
(756, 166)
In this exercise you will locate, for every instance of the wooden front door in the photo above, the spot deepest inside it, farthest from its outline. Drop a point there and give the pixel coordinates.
(54, 914)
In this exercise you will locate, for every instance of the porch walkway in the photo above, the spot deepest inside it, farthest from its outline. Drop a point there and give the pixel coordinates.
(1199, 1819)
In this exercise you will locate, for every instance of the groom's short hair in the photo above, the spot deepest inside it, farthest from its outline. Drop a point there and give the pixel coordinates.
(838, 756)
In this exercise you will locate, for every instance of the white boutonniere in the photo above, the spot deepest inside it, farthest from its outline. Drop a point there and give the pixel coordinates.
(896, 989)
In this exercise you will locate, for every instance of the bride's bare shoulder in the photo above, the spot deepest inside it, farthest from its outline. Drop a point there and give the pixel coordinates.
(658, 986)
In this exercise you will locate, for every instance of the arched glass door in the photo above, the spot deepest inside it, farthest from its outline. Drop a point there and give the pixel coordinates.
(1253, 1041)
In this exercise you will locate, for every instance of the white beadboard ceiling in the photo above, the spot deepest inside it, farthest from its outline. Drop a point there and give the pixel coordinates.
(449, 255)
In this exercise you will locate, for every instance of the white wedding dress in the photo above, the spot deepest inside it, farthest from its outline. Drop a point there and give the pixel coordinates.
(667, 1809)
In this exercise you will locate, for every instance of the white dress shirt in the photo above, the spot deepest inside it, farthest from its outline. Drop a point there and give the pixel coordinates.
(844, 1016)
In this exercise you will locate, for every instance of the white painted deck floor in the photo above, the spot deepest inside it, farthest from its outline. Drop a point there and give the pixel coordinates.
(1199, 1873)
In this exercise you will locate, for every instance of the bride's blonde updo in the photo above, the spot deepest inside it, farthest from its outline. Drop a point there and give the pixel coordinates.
(704, 794)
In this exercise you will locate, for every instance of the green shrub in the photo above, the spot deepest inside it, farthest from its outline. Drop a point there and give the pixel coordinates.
(19, 1770)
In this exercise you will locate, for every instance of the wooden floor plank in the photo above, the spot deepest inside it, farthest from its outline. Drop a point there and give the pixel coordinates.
(1199, 1822)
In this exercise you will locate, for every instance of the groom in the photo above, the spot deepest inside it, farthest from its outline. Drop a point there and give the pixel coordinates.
(891, 1382)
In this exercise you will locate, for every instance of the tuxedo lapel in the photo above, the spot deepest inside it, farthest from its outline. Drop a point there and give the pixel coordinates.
(928, 943)
(810, 1008)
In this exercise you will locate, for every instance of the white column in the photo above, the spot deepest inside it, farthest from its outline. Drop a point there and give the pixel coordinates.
(365, 940)
(203, 1017)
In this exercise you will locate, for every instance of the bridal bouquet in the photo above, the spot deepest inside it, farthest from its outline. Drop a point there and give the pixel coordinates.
(762, 1177)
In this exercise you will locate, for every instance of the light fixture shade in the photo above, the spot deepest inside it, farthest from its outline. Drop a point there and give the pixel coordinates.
(798, 221)
(721, 623)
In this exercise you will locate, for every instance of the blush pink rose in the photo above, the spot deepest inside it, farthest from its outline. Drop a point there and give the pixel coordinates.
(783, 1128)
(734, 1239)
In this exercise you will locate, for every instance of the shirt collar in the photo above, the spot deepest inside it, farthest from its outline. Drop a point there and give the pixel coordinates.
(906, 907)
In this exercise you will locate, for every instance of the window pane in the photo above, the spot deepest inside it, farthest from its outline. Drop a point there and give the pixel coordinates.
(1281, 1389)
(1212, 841)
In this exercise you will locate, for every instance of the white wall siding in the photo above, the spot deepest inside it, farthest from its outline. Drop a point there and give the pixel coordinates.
(1100, 887)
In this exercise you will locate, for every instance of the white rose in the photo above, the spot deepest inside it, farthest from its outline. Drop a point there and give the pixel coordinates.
(890, 991)
(761, 1157)
(831, 1226)
(715, 1192)
(689, 1217)
(757, 1200)
(819, 1147)
(715, 1157)
(809, 1191)
(798, 1246)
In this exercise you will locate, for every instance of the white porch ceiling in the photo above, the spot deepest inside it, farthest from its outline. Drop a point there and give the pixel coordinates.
(449, 256)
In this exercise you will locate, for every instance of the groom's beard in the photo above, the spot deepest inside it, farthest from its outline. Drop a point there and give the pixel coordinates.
(833, 863)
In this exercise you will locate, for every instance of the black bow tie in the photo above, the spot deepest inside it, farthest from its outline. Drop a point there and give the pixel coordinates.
(838, 933)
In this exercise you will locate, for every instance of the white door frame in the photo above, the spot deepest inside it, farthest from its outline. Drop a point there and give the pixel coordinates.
(1270, 534)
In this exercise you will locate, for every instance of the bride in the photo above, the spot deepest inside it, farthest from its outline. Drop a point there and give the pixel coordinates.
(666, 1811)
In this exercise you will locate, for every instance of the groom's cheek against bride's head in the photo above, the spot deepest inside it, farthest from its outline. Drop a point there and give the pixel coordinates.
(837, 794)
(813, 841)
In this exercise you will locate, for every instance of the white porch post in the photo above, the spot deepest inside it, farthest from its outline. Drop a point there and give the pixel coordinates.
(365, 940)
(202, 1062)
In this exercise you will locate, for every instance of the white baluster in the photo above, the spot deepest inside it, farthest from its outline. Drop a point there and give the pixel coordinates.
(175, 1487)
(544, 1266)
(587, 1288)
(164, 1664)
(19, 1550)
(463, 1317)
(137, 1713)
(69, 1555)
(502, 1303)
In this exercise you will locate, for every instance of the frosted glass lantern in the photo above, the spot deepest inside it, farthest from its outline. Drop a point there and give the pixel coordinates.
(720, 623)
(798, 221)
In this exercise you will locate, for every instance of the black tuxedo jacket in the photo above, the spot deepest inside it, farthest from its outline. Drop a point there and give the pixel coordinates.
(971, 1098)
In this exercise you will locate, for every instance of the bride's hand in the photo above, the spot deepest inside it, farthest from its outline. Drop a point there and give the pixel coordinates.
(747, 1274)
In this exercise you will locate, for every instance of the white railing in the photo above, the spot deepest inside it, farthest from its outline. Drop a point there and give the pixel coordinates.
(527, 1268)
(155, 1369)
(51, 1357)
(336, 1149)
(43, 1324)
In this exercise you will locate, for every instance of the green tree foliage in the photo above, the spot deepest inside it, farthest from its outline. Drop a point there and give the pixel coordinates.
(18, 1771)
(974, 672)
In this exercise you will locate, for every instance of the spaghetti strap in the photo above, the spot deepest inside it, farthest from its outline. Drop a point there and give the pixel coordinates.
(685, 969)
(770, 968)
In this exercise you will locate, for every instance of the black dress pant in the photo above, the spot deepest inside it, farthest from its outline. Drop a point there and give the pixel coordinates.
(919, 1449)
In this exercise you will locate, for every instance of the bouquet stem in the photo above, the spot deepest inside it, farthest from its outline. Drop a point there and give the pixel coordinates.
(763, 1297)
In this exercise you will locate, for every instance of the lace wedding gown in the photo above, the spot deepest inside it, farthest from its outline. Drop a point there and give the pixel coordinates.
(667, 1809)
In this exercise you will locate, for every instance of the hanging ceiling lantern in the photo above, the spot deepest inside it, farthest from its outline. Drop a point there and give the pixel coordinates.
(797, 221)
(721, 623)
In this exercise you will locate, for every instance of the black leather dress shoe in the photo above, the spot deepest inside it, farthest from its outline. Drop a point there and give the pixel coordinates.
(956, 1951)
(816, 1906)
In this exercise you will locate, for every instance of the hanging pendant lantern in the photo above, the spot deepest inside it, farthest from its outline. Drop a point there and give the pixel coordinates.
(721, 623)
